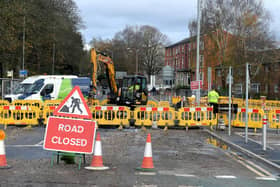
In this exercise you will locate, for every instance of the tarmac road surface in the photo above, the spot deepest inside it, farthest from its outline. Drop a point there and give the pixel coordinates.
(180, 158)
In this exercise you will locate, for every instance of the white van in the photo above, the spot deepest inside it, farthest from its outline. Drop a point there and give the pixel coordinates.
(45, 87)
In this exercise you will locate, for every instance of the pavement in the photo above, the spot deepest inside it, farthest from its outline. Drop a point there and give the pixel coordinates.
(253, 148)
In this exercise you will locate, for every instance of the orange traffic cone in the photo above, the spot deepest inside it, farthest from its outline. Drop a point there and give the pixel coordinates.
(147, 164)
(3, 161)
(97, 161)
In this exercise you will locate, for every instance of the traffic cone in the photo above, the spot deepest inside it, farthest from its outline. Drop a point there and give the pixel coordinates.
(97, 161)
(147, 164)
(3, 161)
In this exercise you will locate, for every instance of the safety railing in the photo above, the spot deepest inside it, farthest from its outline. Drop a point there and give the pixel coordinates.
(152, 103)
(160, 116)
(19, 115)
(4, 102)
(274, 118)
(111, 115)
(255, 117)
(196, 116)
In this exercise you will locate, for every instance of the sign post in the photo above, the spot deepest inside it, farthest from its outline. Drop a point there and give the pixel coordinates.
(264, 132)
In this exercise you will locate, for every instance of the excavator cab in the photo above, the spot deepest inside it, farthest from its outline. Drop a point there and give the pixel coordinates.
(133, 91)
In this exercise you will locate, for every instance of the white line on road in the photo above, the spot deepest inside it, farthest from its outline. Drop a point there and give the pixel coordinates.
(145, 173)
(225, 177)
(266, 178)
(184, 175)
(24, 145)
(40, 143)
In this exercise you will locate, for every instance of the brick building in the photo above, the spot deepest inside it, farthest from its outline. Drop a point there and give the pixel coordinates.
(182, 57)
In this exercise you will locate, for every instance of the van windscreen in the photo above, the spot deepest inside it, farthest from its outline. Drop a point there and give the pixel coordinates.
(35, 87)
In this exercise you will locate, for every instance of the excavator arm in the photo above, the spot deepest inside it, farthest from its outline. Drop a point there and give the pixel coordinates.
(110, 70)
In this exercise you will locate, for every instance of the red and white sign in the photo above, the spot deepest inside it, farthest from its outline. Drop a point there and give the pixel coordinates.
(70, 135)
(74, 105)
(195, 85)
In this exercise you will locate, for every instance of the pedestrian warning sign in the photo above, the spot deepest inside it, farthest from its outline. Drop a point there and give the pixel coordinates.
(74, 105)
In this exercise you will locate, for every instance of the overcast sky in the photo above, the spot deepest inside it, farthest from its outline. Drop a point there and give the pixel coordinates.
(103, 18)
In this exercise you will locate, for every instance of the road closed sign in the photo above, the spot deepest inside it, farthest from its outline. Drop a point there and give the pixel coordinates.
(70, 135)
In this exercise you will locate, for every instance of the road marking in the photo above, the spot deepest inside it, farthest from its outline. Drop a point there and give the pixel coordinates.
(40, 143)
(145, 173)
(24, 145)
(246, 165)
(266, 178)
(184, 175)
(225, 177)
(253, 164)
(144, 185)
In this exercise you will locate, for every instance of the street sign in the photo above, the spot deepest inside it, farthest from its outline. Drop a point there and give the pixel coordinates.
(195, 85)
(70, 135)
(228, 79)
(23, 73)
(74, 105)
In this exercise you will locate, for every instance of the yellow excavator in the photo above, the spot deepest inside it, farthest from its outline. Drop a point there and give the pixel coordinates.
(131, 92)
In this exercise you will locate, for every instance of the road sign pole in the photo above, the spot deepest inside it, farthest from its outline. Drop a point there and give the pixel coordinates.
(229, 103)
(264, 132)
(246, 115)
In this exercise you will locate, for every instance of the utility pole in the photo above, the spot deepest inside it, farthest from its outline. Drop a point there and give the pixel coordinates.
(197, 53)
(229, 102)
(246, 115)
(53, 58)
(23, 43)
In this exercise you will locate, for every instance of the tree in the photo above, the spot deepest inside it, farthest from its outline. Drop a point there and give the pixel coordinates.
(48, 25)
(234, 27)
(135, 43)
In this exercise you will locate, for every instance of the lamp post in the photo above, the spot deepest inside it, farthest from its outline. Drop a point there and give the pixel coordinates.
(136, 58)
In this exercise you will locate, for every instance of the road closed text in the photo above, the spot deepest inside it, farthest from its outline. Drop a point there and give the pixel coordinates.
(69, 141)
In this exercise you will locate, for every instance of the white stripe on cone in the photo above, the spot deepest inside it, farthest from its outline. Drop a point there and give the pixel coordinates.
(97, 149)
(148, 150)
(2, 148)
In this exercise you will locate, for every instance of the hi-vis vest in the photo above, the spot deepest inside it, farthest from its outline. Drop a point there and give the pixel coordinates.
(213, 97)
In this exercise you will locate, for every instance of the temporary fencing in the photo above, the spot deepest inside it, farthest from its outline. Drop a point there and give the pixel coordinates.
(111, 115)
(254, 118)
(196, 116)
(152, 103)
(163, 104)
(19, 115)
(176, 99)
(274, 118)
(4, 102)
(162, 116)
(49, 107)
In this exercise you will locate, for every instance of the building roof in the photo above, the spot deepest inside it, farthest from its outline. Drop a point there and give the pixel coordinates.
(186, 40)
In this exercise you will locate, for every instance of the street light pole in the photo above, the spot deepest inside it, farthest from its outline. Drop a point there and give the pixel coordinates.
(197, 53)
(136, 66)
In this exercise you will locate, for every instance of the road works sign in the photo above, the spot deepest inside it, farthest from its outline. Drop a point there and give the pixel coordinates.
(74, 105)
(195, 85)
(70, 135)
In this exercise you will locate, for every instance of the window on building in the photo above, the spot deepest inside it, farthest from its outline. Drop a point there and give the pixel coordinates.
(276, 88)
(201, 60)
(201, 45)
(219, 73)
(255, 87)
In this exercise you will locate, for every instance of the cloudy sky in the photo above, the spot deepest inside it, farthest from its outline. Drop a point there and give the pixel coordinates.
(103, 18)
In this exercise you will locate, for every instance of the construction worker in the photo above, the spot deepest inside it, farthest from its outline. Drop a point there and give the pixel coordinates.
(213, 98)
